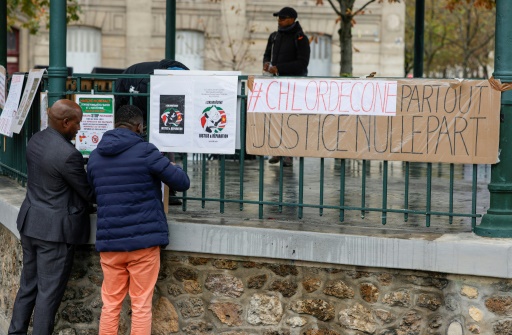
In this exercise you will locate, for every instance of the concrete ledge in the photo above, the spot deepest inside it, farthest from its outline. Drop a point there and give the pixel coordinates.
(462, 253)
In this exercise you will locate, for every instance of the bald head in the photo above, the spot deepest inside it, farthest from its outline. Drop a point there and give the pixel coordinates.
(65, 116)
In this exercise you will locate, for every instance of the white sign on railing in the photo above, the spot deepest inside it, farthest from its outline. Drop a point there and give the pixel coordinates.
(194, 113)
(11, 105)
(323, 96)
(34, 78)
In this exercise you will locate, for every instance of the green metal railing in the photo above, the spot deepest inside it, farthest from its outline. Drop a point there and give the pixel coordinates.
(329, 189)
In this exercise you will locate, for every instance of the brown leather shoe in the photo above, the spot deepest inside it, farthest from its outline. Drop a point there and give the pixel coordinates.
(274, 159)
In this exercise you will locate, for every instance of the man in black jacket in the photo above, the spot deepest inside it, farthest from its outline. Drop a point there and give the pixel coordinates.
(140, 85)
(287, 53)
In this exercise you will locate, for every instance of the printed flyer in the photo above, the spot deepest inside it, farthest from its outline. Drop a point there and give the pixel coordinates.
(194, 114)
(98, 117)
(29, 93)
(11, 105)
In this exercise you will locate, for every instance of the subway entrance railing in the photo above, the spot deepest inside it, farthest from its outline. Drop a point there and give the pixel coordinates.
(315, 191)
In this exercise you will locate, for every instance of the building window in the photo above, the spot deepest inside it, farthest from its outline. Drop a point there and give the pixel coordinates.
(13, 51)
(190, 49)
(83, 48)
(321, 55)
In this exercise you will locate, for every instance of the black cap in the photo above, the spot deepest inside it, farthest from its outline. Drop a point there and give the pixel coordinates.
(287, 12)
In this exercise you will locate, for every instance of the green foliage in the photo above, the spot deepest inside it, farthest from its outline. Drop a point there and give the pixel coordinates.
(30, 13)
(346, 12)
(458, 39)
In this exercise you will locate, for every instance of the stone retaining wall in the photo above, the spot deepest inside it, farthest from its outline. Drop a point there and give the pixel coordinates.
(206, 294)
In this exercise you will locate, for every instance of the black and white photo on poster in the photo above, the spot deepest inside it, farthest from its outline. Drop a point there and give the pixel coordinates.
(172, 114)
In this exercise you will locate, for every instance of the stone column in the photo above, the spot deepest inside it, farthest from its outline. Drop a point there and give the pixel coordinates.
(392, 40)
(234, 29)
(138, 31)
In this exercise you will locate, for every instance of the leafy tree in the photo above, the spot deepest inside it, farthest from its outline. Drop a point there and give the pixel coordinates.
(474, 36)
(231, 50)
(459, 36)
(346, 19)
(30, 13)
(487, 4)
(435, 34)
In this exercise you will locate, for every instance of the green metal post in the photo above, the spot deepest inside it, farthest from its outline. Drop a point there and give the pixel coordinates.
(3, 32)
(170, 29)
(419, 32)
(57, 71)
(498, 220)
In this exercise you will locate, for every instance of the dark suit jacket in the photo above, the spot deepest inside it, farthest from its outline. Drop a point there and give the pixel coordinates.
(56, 207)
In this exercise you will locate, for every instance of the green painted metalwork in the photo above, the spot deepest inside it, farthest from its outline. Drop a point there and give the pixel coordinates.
(261, 187)
(12, 163)
(222, 186)
(57, 71)
(342, 189)
(363, 187)
(322, 178)
(498, 220)
(473, 196)
(185, 168)
(450, 200)
(301, 187)
(384, 191)
(419, 43)
(429, 195)
(170, 29)
(203, 180)
(3, 32)
(281, 183)
(406, 191)
(243, 107)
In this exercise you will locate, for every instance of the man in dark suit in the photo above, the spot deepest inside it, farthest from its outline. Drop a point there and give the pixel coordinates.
(53, 218)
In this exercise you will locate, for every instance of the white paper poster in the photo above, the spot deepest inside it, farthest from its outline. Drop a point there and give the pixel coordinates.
(194, 114)
(98, 117)
(2, 87)
(34, 78)
(43, 105)
(11, 105)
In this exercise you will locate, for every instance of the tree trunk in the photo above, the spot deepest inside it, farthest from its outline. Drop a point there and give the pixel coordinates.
(345, 33)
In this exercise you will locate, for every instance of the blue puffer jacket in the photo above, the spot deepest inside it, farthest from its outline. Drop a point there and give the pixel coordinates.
(125, 173)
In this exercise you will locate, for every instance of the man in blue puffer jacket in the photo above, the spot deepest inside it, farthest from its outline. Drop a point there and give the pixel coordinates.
(126, 173)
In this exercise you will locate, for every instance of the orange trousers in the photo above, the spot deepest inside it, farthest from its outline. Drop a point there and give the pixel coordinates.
(132, 272)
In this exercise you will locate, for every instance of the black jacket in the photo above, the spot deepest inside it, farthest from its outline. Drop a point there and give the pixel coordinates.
(56, 208)
(140, 84)
(288, 49)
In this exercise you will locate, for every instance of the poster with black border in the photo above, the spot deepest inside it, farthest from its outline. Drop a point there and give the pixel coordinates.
(208, 108)
(172, 114)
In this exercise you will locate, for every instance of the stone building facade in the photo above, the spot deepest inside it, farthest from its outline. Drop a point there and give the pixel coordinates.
(219, 35)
